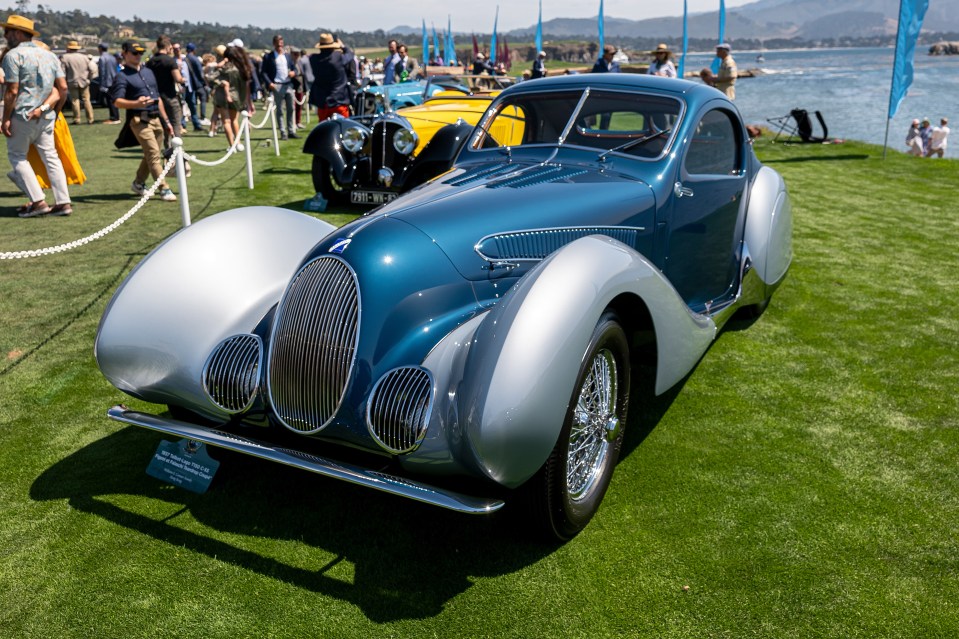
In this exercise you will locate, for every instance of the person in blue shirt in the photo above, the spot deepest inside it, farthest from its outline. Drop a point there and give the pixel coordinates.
(605, 64)
(136, 91)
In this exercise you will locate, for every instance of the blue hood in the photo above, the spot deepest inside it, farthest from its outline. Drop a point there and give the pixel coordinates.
(466, 205)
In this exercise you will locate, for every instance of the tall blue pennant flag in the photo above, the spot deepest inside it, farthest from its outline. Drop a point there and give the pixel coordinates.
(911, 14)
(722, 33)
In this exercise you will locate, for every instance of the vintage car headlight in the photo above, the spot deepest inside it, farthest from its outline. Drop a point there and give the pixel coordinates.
(404, 141)
(354, 139)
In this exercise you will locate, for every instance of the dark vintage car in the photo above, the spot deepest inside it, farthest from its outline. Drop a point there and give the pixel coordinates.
(474, 339)
(371, 160)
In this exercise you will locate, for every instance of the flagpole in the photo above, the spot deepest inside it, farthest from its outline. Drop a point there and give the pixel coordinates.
(895, 56)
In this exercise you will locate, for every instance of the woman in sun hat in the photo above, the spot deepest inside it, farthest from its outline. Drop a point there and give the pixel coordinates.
(661, 64)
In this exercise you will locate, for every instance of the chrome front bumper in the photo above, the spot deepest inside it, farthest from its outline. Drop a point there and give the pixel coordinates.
(321, 466)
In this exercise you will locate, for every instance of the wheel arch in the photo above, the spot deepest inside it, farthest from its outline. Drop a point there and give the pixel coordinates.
(526, 353)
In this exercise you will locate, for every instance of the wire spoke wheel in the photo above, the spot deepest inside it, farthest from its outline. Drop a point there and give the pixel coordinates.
(593, 417)
(568, 490)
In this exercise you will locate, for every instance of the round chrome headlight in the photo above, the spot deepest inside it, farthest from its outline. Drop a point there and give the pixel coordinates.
(353, 139)
(404, 141)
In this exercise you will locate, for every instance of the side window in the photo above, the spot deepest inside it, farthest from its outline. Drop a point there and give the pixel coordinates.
(714, 149)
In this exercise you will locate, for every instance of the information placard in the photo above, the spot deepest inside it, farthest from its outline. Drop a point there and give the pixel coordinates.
(184, 463)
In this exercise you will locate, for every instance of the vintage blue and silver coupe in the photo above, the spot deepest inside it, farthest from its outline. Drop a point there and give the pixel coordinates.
(479, 330)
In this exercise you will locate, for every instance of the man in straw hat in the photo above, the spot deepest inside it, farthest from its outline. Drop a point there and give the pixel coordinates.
(331, 91)
(34, 93)
(661, 64)
(76, 66)
(726, 78)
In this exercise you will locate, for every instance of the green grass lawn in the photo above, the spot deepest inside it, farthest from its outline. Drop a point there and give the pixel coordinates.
(801, 482)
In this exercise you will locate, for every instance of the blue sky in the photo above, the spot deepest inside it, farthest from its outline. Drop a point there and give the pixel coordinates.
(368, 15)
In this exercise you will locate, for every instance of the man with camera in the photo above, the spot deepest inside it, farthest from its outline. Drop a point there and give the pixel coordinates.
(136, 91)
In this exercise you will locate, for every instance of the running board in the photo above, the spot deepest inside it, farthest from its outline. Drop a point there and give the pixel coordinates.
(321, 466)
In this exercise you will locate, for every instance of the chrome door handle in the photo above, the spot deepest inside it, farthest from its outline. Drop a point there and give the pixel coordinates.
(682, 191)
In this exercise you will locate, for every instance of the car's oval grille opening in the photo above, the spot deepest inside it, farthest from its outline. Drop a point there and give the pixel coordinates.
(382, 141)
(231, 375)
(398, 412)
(314, 344)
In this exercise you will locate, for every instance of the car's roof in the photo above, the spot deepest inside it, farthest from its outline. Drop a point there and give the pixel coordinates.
(621, 81)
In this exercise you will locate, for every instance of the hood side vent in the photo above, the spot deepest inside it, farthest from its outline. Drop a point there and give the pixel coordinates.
(536, 244)
(553, 174)
(480, 173)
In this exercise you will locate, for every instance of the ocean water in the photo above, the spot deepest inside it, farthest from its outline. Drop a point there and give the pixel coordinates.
(849, 86)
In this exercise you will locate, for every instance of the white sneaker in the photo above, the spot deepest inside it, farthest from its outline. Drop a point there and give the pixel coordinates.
(167, 195)
(205, 122)
(240, 147)
(138, 188)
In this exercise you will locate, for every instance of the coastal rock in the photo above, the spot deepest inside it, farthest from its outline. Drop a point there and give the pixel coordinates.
(944, 48)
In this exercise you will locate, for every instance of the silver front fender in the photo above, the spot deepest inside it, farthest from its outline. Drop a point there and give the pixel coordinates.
(523, 358)
(211, 280)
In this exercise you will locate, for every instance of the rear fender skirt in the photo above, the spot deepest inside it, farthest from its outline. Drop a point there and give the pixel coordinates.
(525, 355)
(768, 234)
(211, 280)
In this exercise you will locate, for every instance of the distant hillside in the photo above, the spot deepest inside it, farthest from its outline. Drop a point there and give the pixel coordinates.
(767, 19)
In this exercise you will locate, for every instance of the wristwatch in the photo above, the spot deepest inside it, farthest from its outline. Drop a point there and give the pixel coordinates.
(44, 108)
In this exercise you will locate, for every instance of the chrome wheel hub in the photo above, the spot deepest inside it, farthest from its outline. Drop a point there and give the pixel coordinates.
(595, 426)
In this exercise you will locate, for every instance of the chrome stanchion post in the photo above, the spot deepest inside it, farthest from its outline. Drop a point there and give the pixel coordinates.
(306, 104)
(245, 125)
(271, 105)
(181, 180)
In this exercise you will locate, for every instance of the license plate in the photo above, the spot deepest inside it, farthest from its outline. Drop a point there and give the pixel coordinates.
(372, 197)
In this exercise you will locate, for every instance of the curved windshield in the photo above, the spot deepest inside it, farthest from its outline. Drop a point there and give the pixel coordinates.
(632, 123)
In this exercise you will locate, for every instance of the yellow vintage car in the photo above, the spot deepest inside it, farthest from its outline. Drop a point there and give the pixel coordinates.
(372, 162)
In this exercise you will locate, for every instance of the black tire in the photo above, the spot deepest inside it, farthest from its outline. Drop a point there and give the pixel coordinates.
(568, 490)
(325, 185)
(753, 311)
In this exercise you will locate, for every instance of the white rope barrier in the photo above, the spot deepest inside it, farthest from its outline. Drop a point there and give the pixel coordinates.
(229, 152)
(13, 255)
(271, 107)
(176, 159)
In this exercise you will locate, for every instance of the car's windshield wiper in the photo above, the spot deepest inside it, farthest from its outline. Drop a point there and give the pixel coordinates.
(632, 143)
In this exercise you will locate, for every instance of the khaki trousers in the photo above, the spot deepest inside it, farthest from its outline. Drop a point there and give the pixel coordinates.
(150, 136)
(76, 95)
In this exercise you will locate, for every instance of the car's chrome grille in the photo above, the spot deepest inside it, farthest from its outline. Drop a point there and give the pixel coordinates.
(382, 141)
(536, 244)
(232, 373)
(314, 344)
(399, 409)
(551, 174)
(483, 172)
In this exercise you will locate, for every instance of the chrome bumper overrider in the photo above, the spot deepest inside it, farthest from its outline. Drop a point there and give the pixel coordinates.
(312, 463)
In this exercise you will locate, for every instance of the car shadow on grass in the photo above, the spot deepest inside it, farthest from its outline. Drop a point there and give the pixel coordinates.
(408, 559)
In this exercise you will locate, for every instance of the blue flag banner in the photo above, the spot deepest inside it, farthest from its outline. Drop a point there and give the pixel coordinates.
(911, 14)
(492, 44)
(682, 58)
(722, 33)
(436, 45)
(449, 54)
(539, 29)
(600, 29)
(426, 45)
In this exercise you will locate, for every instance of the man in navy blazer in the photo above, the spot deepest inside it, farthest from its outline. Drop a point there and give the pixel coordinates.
(277, 74)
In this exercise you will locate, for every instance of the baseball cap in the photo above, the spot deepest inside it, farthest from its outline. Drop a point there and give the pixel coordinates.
(724, 45)
(236, 42)
(132, 45)
(190, 46)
